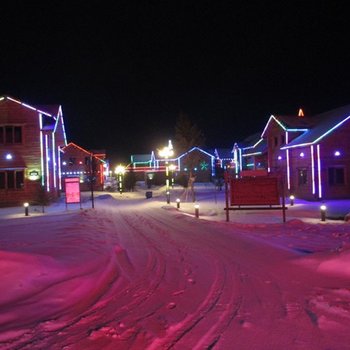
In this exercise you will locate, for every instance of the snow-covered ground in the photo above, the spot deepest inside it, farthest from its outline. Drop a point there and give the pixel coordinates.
(137, 273)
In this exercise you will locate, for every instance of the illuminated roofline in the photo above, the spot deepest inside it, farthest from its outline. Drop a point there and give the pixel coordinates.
(192, 149)
(251, 154)
(268, 122)
(82, 149)
(281, 125)
(319, 138)
(297, 130)
(249, 147)
(28, 106)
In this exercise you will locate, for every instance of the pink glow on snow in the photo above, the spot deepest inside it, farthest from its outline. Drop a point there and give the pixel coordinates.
(136, 273)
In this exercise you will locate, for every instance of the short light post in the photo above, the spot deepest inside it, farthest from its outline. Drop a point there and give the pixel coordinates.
(172, 168)
(323, 209)
(196, 210)
(167, 152)
(168, 197)
(26, 209)
(178, 203)
(120, 171)
(291, 198)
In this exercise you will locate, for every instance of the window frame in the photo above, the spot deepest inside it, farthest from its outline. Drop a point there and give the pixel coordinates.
(302, 176)
(333, 176)
(12, 177)
(11, 134)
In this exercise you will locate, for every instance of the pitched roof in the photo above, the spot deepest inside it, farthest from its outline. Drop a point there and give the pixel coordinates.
(142, 158)
(223, 153)
(324, 124)
(53, 110)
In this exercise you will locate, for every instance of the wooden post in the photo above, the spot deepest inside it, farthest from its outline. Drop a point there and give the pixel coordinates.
(226, 196)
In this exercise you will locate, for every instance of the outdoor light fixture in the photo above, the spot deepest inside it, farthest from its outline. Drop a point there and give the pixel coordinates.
(172, 168)
(26, 208)
(302, 154)
(323, 209)
(279, 157)
(196, 210)
(120, 171)
(178, 203)
(337, 153)
(168, 197)
(167, 152)
(291, 198)
(9, 156)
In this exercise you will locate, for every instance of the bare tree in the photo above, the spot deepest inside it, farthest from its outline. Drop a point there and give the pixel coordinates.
(187, 136)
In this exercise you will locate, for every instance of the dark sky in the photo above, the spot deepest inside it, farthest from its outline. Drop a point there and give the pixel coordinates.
(123, 72)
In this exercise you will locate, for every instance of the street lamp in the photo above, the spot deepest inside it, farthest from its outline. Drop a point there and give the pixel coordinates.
(323, 209)
(172, 168)
(196, 210)
(26, 207)
(291, 198)
(120, 171)
(167, 152)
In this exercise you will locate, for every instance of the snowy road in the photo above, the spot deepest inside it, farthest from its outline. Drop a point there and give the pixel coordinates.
(127, 276)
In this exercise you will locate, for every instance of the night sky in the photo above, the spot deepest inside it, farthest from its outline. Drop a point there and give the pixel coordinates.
(123, 72)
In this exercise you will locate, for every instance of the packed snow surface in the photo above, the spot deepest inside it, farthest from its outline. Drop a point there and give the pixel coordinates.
(137, 273)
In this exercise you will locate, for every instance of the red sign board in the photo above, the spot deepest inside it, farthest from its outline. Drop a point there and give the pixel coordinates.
(72, 186)
(255, 191)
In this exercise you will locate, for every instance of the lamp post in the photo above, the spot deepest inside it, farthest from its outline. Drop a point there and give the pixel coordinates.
(196, 210)
(26, 208)
(120, 171)
(172, 168)
(323, 209)
(291, 198)
(165, 153)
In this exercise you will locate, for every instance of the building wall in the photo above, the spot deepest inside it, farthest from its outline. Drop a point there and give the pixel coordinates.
(26, 155)
(339, 140)
(321, 188)
(76, 163)
(194, 161)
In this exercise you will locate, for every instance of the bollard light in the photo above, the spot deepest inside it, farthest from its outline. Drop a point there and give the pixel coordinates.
(26, 208)
(168, 197)
(196, 210)
(291, 198)
(323, 209)
(178, 203)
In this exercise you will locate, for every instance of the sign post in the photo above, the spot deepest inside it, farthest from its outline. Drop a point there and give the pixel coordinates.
(227, 179)
(261, 192)
(72, 188)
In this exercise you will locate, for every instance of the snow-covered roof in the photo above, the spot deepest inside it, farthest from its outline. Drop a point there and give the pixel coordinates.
(323, 125)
